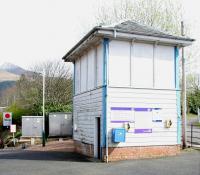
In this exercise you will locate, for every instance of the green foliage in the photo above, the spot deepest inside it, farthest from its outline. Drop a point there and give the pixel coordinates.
(58, 89)
(193, 101)
(58, 108)
(18, 134)
(51, 107)
(17, 112)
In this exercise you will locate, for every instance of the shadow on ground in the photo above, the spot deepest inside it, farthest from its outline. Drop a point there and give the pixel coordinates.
(47, 155)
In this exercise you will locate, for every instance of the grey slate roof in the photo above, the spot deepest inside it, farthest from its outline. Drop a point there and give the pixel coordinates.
(139, 29)
(129, 27)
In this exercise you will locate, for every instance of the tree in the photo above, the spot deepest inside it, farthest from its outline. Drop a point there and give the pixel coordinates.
(162, 14)
(58, 88)
(193, 93)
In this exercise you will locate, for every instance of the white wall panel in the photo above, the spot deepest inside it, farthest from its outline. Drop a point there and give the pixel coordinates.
(143, 98)
(84, 73)
(164, 67)
(142, 65)
(99, 65)
(77, 76)
(119, 63)
(91, 79)
(86, 107)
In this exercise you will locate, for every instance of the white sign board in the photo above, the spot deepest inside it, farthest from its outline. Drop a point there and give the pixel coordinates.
(12, 128)
(7, 118)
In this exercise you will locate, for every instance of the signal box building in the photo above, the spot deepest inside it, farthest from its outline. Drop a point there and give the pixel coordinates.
(126, 98)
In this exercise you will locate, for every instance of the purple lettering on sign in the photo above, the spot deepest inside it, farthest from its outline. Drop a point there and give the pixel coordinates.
(135, 109)
(139, 131)
(156, 120)
(121, 121)
(121, 108)
(142, 109)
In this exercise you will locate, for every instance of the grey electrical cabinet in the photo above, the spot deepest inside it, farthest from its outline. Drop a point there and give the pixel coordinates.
(32, 126)
(60, 124)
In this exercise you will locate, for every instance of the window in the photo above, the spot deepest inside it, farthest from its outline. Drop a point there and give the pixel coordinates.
(119, 63)
(91, 77)
(142, 65)
(164, 67)
(77, 76)
(84, 68)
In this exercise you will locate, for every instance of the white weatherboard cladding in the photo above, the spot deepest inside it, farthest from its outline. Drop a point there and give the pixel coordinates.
(144, 98)
(84, 73)
(91, 70)
(77, 76)
(119, 63)
(142, 65)
(164, 67)
(99, 65)
(86, 107)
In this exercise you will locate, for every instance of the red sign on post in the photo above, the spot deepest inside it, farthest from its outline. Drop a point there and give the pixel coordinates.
(7, 115)
(7, 118)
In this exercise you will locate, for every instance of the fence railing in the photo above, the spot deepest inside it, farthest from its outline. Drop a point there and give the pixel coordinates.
(193, 135)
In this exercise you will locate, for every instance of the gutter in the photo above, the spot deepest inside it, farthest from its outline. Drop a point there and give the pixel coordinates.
(119, 33)
(141, 37)
(80, 42)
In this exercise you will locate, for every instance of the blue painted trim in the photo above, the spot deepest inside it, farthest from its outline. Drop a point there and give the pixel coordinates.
(178, 96)
(74, 79)
(104, 95)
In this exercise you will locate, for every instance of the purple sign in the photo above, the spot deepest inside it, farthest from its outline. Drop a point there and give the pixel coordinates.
(121, 108)
(139, 131)
(121, 121)
(156, 120)
(134, 109)
(142, 109)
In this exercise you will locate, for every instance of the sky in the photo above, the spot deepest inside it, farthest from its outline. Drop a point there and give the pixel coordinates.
(32, 31)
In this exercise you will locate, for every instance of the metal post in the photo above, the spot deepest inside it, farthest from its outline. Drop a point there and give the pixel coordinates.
(191, 134)
(14, 139)
(184, 119)
(43, 110)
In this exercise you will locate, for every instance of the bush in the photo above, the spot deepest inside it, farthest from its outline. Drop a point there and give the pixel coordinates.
(17, 113)
(193, 101)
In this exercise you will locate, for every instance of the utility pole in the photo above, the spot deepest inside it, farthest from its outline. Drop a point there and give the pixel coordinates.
(43, 109)
(184, 105)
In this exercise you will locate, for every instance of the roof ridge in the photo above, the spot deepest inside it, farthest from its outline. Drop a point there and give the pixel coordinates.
(116, 23)
(152, 28)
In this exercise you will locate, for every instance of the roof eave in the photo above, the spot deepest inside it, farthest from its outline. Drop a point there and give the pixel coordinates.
(114, 33)
(79, 44)
(122, 34)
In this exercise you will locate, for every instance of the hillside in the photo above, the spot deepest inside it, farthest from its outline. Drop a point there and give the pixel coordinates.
(6, 84)
(12, 68)
(7, 76)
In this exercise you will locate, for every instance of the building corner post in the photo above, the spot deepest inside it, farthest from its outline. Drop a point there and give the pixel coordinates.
(178, 95)
(104, 140)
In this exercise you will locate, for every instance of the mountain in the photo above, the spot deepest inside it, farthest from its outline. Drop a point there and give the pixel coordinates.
(6, 85)
(7, 76)
(12, 68)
